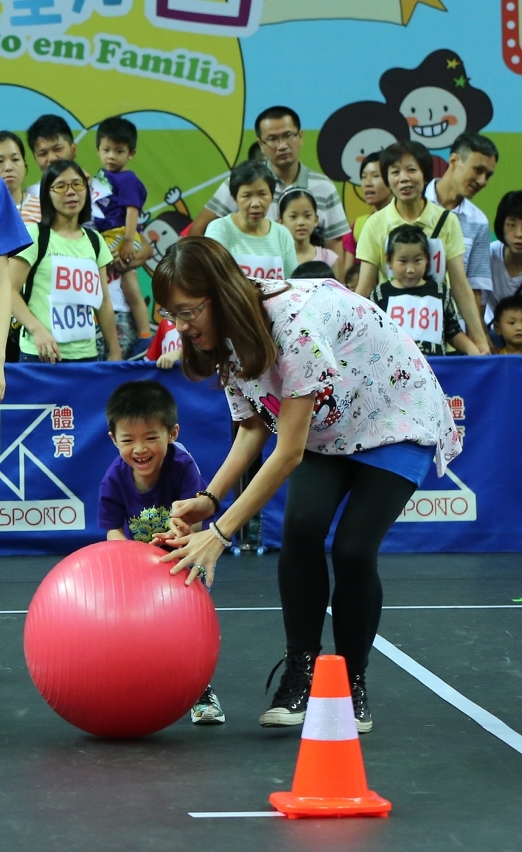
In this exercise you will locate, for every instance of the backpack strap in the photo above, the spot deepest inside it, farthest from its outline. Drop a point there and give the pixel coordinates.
(95, 240)
(44, 235)
(440, 224)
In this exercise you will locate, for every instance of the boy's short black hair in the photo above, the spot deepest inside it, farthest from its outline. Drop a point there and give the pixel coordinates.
(394, 154)
(119, 130)
(510, 303)
(313, 269)
(276, 112)
(255, 152)
(248, 172)
(510, 205)
(474, 143)
(48, 127)
(141, 400)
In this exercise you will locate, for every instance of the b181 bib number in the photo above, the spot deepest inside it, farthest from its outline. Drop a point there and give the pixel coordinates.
(420, 317)
(71, 322)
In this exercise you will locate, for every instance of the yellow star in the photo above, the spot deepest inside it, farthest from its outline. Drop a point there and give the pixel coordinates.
(408, 8)
(452, 63)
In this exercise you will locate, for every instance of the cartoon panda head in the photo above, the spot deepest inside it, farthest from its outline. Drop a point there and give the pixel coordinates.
(353, 132)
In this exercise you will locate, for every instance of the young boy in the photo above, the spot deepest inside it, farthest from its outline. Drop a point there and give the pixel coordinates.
(508, 323)
(50, 138)
(151, 472)
(116, 140)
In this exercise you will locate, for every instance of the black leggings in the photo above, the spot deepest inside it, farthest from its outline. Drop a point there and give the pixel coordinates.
(315, 490)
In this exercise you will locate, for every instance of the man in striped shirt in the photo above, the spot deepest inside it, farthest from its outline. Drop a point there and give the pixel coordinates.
(280, 138)
(471, 165)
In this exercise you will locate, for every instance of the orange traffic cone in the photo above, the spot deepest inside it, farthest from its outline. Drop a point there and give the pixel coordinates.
(329, 777)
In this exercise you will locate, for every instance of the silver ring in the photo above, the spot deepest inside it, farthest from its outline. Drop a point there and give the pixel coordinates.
(202, 571)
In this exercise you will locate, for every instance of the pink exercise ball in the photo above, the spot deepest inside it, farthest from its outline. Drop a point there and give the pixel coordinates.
(118, 646)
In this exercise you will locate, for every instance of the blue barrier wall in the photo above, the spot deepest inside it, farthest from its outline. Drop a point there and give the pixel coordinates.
(54, 450)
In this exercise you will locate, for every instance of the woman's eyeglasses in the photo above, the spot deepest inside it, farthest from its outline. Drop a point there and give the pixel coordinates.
(184, 316)
(61, 187)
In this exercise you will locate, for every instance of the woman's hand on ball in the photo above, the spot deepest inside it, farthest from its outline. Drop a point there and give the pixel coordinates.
(194, 551)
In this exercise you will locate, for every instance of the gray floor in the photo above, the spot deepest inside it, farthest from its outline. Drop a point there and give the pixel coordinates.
(453, 785)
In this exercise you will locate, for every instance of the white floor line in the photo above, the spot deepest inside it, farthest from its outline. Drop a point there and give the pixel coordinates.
(219, 814)
(482, 717)
(460, 606)
(248, 609)
(278, 608)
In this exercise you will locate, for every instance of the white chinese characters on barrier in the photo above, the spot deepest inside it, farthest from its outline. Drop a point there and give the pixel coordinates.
(65, 512)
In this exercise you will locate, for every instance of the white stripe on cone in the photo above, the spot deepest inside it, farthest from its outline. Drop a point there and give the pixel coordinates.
(329, 719)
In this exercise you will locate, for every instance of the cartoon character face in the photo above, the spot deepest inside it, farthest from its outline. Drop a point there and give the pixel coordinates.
(162, 232)
(359, 146)
(160, 235)
(435, 116)
(354, 131)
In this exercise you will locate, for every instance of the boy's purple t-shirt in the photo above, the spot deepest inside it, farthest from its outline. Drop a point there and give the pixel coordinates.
(139, 513)
(127, 191)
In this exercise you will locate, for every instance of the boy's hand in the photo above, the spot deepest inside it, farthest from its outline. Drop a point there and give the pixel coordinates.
(192, 511)
(127, 250)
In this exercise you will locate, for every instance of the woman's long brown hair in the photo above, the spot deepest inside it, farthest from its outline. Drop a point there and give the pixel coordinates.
(200, 267)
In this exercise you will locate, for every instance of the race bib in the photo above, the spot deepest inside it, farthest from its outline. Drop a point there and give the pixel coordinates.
(116, 296)
(437, 260)
(419, 316)
(75, 281)
(260, 267)
(171, 341)
(71, 322)
(99, 189)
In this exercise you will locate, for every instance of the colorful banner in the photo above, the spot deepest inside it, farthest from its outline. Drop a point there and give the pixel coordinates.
(54, 451)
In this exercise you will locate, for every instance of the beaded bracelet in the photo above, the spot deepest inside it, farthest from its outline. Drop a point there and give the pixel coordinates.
(212, 497)
(226, 542)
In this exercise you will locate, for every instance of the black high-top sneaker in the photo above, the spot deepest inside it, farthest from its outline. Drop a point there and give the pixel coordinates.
(363, 717)
(288, 706)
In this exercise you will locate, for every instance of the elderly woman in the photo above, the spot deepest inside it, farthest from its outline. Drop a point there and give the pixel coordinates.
(262, 248)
